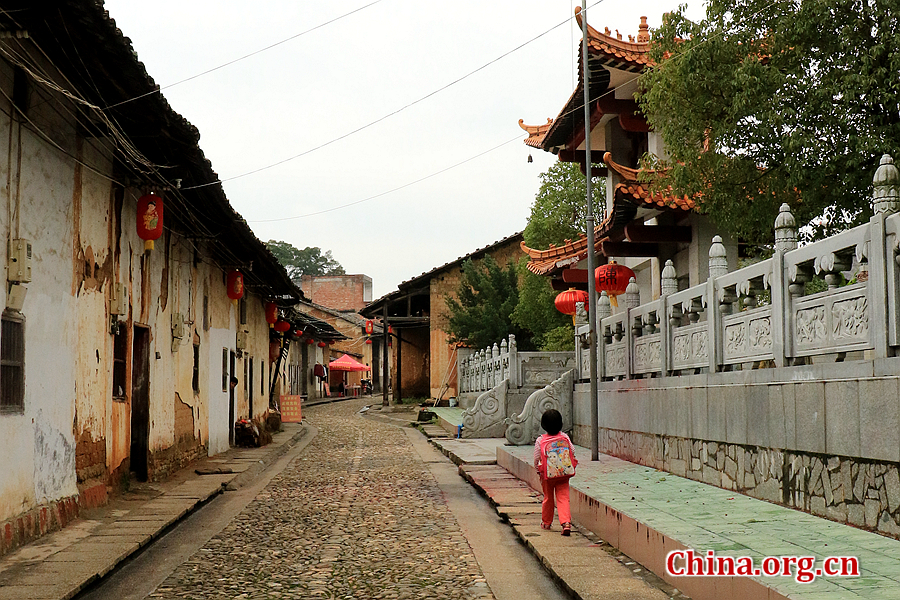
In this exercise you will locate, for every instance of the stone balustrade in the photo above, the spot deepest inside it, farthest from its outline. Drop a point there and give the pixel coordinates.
(760, 316)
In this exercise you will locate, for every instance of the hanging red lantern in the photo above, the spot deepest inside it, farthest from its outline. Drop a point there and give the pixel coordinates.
(370, 327)
(271, 313)
(322, 344)
(281, 326)
(310, 341)
(612, 278)
(368, 341)
(149, 219)
(565, 301)
(298, 332)
(234, 285)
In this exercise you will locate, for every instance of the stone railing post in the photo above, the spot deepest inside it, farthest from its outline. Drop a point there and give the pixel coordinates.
(513, 363)
(718, 266)
(604, 309)
(785, 241)
(882, 274)
(668, 285)
(632, 301)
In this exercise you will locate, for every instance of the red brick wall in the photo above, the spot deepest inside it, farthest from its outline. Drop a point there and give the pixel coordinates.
(340, 292)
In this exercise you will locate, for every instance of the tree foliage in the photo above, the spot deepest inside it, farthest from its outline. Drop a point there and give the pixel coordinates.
(557, 214)
(309, 261)
(480, 315)
(766, 102)
(559, 208)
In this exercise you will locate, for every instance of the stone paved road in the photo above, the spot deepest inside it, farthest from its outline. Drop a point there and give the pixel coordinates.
(357, 515)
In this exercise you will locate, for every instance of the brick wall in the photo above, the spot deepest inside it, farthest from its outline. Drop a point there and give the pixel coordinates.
(340, 292)
(444, 285)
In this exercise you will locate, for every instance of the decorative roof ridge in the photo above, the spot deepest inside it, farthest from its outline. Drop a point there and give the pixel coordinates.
(641, 44)
(570, 246)
(535, 129)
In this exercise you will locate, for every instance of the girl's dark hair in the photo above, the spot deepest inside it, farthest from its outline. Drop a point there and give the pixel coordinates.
(551, 421)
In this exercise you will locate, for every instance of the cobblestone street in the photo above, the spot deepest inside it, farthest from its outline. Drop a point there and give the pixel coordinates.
(356, 515)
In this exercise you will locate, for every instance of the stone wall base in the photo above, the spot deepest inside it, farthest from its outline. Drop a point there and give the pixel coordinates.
(862, 493)
(27, 527)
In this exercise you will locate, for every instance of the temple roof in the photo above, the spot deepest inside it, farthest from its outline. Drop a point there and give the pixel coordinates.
(605, 52)
(632, 189)
(632, 55)
(536, 133)
(629, 195)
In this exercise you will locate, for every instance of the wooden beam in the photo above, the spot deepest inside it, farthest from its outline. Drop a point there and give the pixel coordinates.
(610, 105)
(575, 276)
(629, 249)
(595, 171)
(638, 232)
(579, 156)
(561, 286)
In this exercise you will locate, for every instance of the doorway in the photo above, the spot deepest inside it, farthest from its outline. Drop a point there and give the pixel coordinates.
(231, 389)
(140, 402)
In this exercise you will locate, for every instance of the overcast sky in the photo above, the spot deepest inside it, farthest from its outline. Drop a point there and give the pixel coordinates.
(341, 76)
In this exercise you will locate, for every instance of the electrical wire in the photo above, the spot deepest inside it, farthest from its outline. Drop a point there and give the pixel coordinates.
(391, 191)
(393, 113)
(231, 62)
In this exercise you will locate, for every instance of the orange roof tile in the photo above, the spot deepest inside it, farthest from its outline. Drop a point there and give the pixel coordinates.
(638, 192)
(632, 55)
(536, 133)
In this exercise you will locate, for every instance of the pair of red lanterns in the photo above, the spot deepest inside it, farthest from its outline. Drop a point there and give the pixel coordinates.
(611, 278)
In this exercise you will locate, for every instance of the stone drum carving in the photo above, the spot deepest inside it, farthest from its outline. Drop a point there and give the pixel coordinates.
(524, 428)
(487, 418)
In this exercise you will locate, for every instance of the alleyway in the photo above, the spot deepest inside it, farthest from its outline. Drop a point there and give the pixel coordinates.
(358, 514)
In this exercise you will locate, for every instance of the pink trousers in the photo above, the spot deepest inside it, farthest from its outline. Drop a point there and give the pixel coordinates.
(561, 490)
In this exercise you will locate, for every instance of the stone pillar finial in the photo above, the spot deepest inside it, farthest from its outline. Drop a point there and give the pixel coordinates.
(669, 283)
(632, 294)
(886, 194)
(504, 347)
(718, 263)
(495, 350)
(604, 308)
(785, 229)
(581, 317)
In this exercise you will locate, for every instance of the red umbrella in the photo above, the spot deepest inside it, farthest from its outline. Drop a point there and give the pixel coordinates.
(347, 363)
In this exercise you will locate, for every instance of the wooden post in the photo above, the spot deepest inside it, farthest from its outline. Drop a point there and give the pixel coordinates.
(384, 354)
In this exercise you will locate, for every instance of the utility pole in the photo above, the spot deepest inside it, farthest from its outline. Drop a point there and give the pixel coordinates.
(384, 362)
(592, 290)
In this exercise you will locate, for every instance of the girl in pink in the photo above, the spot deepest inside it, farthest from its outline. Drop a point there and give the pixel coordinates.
(551, 422)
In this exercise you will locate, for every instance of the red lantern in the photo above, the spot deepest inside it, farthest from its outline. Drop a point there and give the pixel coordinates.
(612, 278)
(281, 326)
(565, 301)
(310, 341)
(234, 285)
(368, 341)
(370, 327)
(322, 344)
(271, 313)
(149, 219)
(298, 332)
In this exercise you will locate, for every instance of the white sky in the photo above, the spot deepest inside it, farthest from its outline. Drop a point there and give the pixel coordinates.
(324, 84)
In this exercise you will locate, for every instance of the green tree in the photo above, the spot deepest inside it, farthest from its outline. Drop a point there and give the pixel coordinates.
(309, 261)
(766, 102)
(480, 314)
(557, 214)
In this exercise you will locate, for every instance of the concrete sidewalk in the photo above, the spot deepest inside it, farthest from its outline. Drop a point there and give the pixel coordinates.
(61, 564)
(647, 513)
(583, 564)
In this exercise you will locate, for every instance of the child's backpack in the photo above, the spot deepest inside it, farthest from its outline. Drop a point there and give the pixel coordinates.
(557, 458)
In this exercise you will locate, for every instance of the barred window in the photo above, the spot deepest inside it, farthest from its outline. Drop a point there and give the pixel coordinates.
(12, 363)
